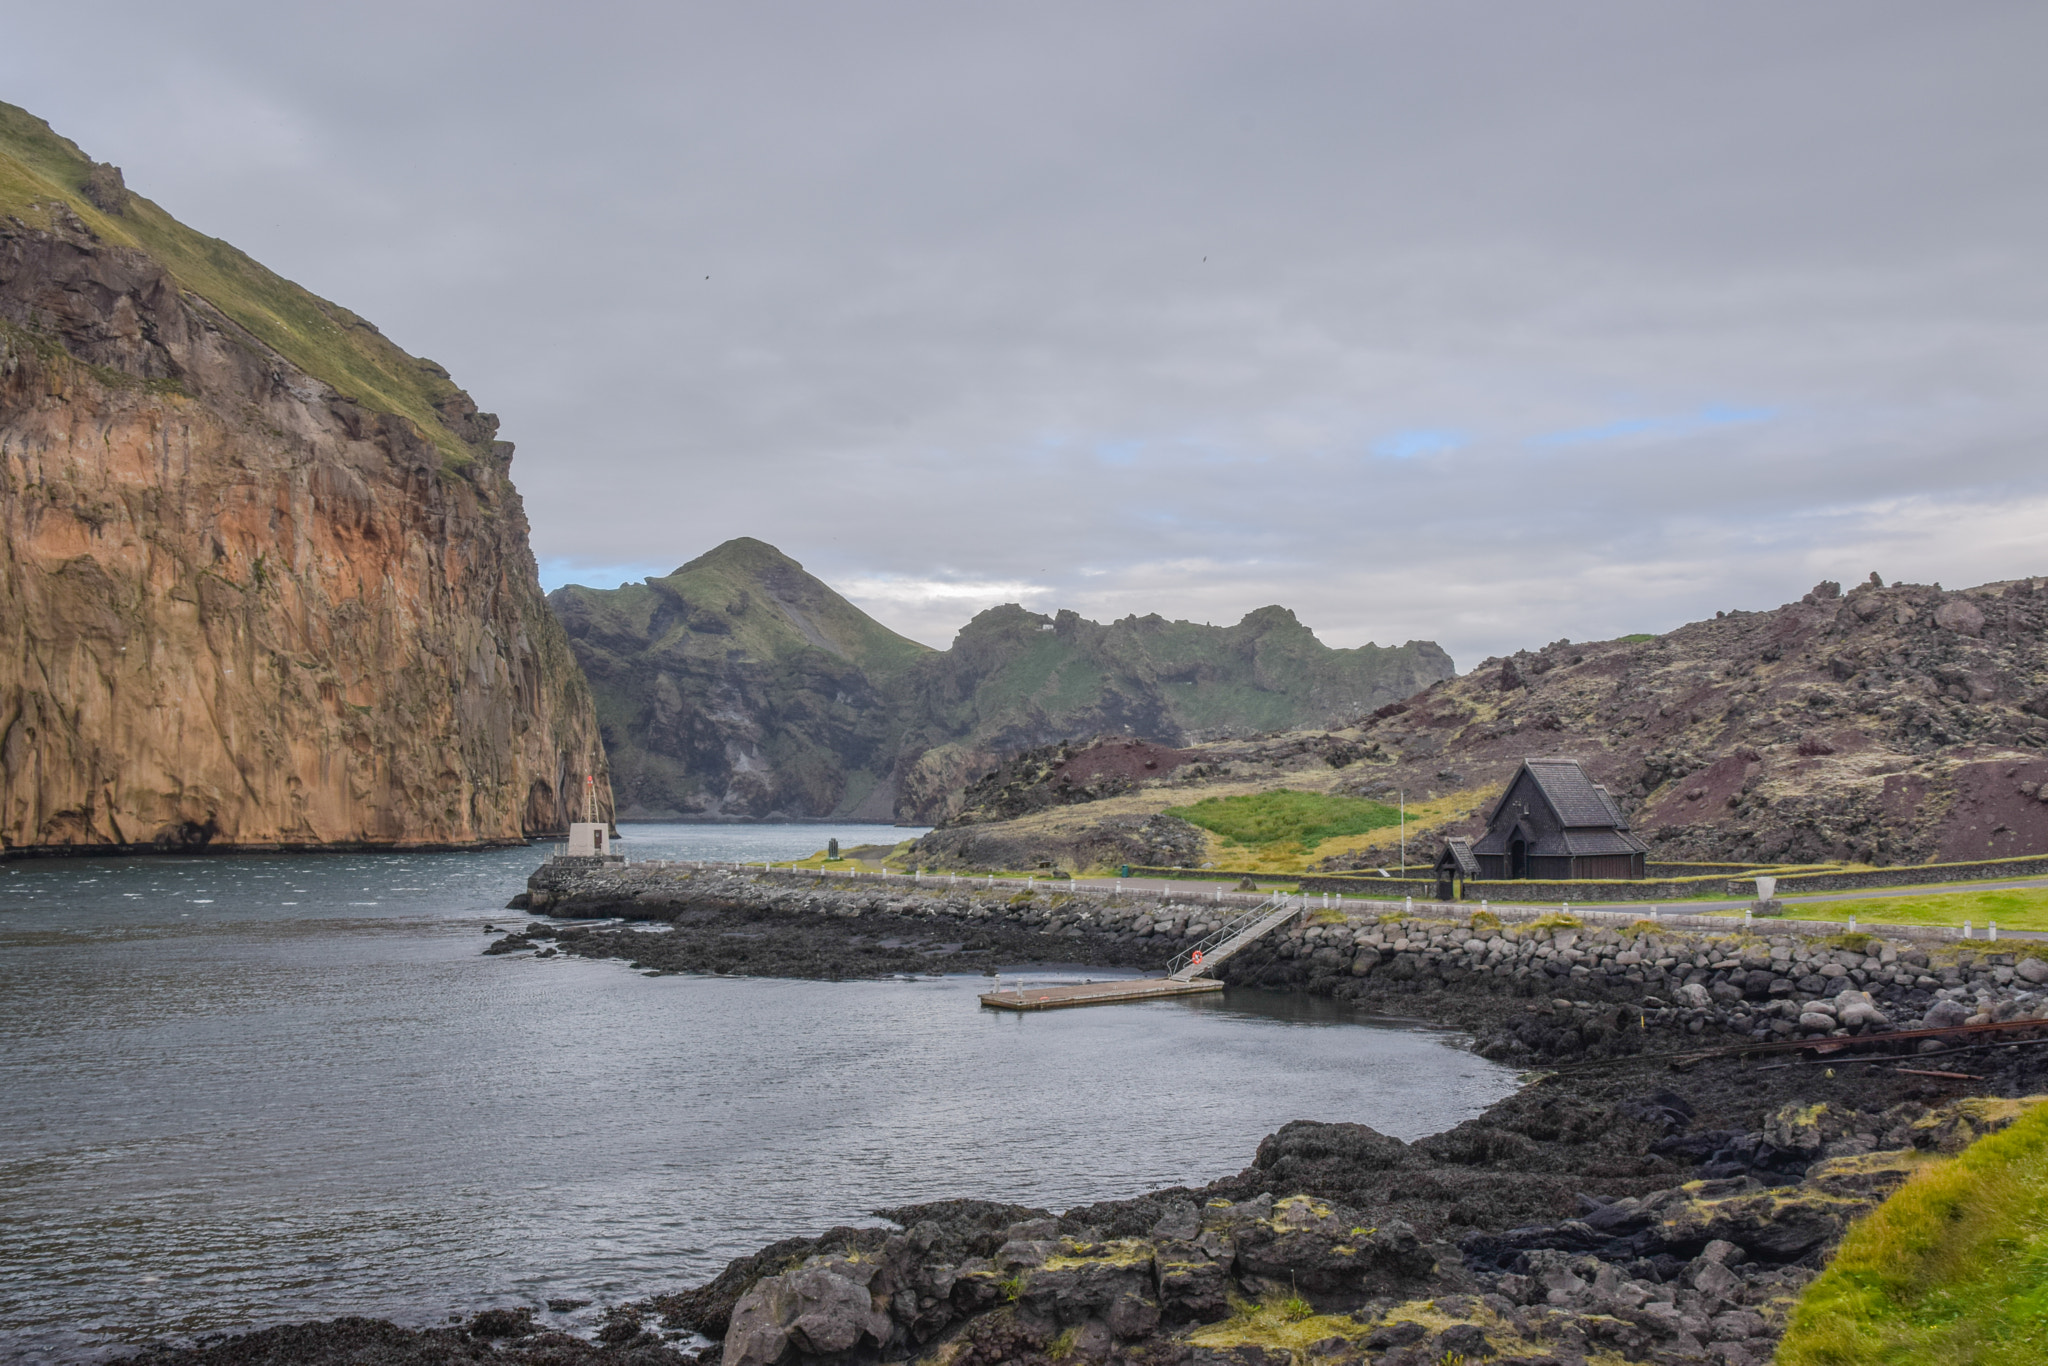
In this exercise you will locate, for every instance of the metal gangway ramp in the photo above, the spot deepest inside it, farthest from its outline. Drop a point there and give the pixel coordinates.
(1185, 974)
(1218, 945)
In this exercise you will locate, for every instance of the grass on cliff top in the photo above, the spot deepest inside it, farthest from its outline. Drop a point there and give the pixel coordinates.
(1952, 1269)
(323, 339)
(1287, 816)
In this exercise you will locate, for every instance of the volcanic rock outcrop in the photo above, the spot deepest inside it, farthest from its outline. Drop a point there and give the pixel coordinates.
(741, 686)
(1889, 724)
(264, 579)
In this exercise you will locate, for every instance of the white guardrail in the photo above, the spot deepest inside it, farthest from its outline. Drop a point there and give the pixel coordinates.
(1517, 912)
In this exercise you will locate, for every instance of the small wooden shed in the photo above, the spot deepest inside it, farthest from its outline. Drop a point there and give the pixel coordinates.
(1555, 822)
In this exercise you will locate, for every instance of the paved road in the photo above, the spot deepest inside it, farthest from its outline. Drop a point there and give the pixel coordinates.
(1190, 887)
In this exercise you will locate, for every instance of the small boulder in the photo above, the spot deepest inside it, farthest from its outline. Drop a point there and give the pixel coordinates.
(1713, 1279)
(1181, 1222)
(502, 1323)
(811, 1310)
(1462, 1341)
(1399, 1334)
(1947, 1014)
(1960, 615)
(1192, 1279)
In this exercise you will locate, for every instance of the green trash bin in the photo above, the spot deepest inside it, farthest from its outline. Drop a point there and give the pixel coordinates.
(1124, 870)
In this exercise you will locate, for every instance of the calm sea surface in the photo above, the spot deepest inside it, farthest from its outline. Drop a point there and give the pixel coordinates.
(246, 1090)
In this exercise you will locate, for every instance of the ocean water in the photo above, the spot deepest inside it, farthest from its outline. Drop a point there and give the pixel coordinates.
(245, 1090)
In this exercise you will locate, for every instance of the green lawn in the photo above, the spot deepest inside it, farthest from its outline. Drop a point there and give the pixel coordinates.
(1287, 816)
(2021, 908)
(1952, 1269)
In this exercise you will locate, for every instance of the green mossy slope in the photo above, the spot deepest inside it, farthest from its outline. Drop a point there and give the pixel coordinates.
(1952, 1269)
(40, 169)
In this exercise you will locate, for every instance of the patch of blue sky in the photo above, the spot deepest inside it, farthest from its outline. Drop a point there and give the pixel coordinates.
(1415, 442)
(558, 572)
(1659, 427)
(1119, 452)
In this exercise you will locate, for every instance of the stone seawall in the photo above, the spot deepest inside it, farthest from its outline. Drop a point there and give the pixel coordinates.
(1620, 987)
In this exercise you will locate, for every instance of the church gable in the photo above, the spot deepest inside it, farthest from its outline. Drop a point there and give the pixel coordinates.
(1554, 821)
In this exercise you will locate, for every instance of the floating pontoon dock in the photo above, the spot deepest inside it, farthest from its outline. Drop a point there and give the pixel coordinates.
(1098, 993)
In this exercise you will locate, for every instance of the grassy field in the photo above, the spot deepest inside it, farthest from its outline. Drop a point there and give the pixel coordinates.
(2019, 908)
(1284, 823)
(1951, 1270)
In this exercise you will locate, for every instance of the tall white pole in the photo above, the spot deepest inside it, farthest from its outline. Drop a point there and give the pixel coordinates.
(1404, 832)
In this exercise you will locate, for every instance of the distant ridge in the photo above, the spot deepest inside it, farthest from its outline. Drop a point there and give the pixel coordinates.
(742, 686)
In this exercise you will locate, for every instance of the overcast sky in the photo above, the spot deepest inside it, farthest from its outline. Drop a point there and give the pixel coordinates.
(1481, 323)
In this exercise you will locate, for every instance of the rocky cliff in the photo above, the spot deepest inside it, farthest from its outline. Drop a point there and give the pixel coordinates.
(264, 577)
(742, 686)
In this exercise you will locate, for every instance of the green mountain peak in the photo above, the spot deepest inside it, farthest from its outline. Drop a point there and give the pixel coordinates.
(743, 554)
(741, 685)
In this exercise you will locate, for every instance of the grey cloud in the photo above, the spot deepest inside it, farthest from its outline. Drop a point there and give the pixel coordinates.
(959, 329)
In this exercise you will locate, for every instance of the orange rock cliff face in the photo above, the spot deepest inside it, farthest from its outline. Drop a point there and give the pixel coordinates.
(240, 606)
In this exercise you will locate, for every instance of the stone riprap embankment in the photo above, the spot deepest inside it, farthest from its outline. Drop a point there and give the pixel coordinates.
(1541, 989)
(1745, 983)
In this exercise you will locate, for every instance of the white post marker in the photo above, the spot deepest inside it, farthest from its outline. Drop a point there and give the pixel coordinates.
(1994, 929)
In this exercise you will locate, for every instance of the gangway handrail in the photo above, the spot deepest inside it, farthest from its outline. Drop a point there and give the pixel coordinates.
(1235, 926)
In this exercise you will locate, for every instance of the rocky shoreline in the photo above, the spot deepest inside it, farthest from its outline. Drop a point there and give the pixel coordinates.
(1650, 1198)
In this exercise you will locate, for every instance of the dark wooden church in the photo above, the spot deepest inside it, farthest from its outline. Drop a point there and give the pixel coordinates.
(1552, 822)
